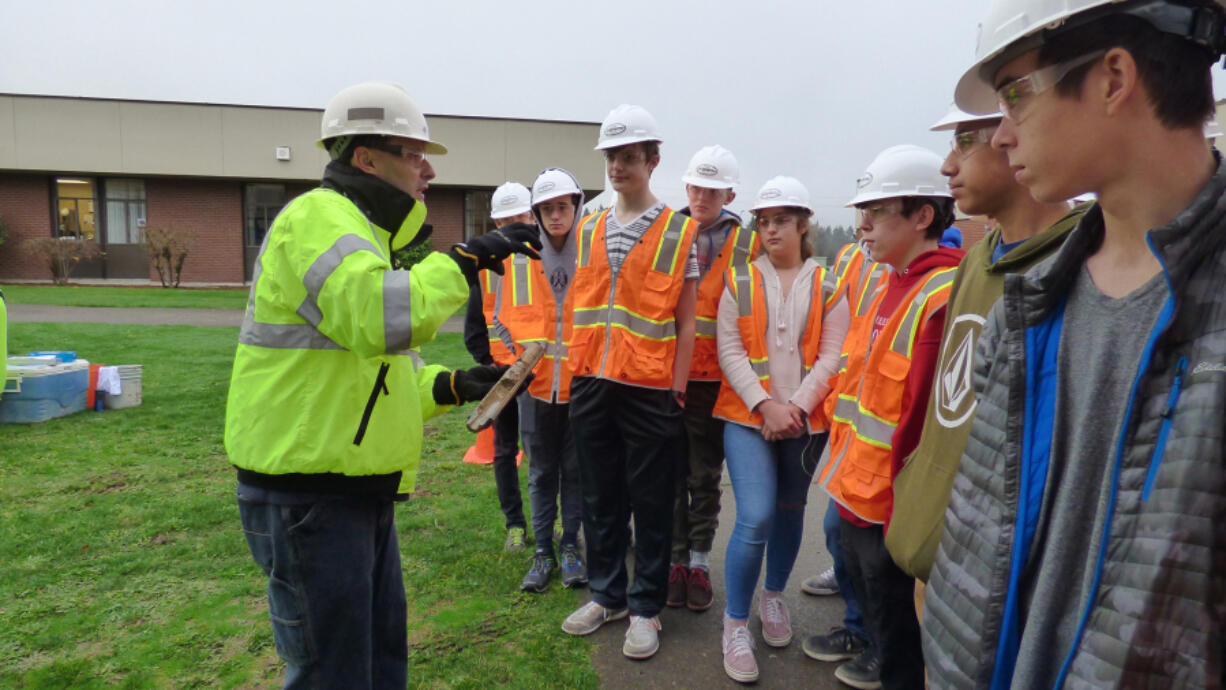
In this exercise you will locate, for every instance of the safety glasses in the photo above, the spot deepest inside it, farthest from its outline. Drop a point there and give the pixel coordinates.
(967, 143)
(1016, 96)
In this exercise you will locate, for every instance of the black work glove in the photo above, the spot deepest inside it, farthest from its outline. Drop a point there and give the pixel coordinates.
(466, 385)
(489, 250)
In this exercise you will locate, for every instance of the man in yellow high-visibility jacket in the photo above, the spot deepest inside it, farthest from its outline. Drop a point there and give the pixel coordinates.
(326, 401)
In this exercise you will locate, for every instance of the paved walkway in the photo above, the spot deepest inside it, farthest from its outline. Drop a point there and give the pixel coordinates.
(45, 313)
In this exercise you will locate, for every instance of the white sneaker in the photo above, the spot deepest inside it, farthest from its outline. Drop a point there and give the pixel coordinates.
(822, 584)
(588, 618)
(642, 637)
(776, 623)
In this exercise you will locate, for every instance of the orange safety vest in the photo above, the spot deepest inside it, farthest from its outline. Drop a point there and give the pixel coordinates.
(623, 327)
(859, 474)
(740, 247)
(748, 287)
(499, 349)
(859, 278)
(527, 309)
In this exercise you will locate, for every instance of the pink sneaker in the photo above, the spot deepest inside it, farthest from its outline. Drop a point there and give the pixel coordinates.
(739, 662)
(776, 623)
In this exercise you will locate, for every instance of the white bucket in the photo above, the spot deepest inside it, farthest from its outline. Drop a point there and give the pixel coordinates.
(130, 387)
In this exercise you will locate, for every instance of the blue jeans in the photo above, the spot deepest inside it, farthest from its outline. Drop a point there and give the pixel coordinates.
(853, 619)
(771, 483)
(335, 588)
(553, 471)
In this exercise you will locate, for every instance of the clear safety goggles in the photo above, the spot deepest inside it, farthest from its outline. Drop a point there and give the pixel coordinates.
(1016, 96)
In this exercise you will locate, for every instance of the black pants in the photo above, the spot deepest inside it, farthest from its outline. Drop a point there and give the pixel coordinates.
(696, 510)
(627, 440)
(887, 595)
(506, 472)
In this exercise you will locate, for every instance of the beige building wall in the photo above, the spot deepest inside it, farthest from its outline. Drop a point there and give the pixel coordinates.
(86, 135)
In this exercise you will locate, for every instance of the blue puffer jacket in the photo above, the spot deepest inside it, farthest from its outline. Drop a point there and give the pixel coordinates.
(1156, 613)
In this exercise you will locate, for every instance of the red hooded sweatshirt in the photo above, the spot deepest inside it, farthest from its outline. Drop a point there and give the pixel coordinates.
(923, 356)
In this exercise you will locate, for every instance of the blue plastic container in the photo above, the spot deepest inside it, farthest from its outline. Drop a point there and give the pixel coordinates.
(62, 355)
(46, 392)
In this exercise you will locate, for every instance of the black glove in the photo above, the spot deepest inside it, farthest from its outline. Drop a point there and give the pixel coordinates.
(489, 250)
(466, 385)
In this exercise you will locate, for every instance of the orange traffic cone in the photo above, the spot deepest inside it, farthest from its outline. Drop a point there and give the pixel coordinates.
(482, 452)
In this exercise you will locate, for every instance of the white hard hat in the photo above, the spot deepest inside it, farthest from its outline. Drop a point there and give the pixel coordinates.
(1212, 130)
(956, 116)
(510, 199)
(627, 124)
(1013, 27)
(903, 170)
(376, 107)
(782, 191)
(713, 167)
(553, 183)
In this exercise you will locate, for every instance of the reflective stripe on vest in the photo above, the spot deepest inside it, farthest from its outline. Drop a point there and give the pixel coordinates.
(666, 251)
(620, 317)
(704, 327)
(584, 250)
(844, 261)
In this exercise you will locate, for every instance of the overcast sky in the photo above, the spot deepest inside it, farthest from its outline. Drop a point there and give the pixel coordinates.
(808, 89)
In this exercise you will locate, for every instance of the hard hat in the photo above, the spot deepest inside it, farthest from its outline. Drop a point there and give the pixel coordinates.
(553, 183)
(1013, 27)
(627, 124)
(782, 191)
(510, 199)
(1212, 130)
(713, 167)
(956, 116)
(376, 107)
(904, 170)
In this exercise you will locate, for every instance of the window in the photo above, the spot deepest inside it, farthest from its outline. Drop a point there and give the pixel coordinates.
(74, 207)
(125, 210)
(477, 213)
(262, 204)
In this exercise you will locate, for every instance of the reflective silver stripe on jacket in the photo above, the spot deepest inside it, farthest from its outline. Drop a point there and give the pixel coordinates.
(323, 267)
(666, 254)
(619, 316)
(521, 274)
(586, 234)
(903, 339)
(285, 336)
(397, 311)
(704, 327)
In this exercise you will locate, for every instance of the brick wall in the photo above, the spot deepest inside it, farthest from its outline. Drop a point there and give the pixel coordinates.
(25, 209)
(445, 211)
(213, 209)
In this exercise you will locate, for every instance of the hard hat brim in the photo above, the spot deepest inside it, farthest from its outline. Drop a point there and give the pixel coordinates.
(878, 196)
(951, 120)
(625, 141)
(706, 182)
(507, 213)
(782, 203)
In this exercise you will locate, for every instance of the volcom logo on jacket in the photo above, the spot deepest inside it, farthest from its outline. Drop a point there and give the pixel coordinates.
(954, 385)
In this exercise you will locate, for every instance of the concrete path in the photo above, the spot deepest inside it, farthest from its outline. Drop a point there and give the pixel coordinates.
(45, 313)
(690, 655)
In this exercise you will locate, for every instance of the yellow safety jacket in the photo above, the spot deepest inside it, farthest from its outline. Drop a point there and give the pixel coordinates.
(324, 381)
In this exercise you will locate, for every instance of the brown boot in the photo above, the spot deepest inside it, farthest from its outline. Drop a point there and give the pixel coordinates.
(678, 576)
(698, 595)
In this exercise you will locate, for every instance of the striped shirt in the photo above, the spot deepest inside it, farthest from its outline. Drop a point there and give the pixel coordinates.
(620, 239)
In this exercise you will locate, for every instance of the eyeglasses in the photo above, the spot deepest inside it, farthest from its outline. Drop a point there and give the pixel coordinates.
(781, 221)
(417, 158)
(878, 212)
(967, 143)
(1014, 96)
(623, 157)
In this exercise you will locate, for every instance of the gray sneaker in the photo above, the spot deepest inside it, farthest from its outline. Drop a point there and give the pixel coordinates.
(574, 572)
(822, 584)
(588, 618)
(517, 537)
(837, 645)
(863, 672)
(642, 637)
(537, 579)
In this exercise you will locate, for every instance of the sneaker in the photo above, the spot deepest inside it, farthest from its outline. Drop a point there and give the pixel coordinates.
(837, 645)
(739, 662)
(698, 595)
(517, 537)
(678, 579)
(862, 672)
(588, 618)
(642, 637)
(537, 579)
(574, 572)
(822, 584)
(776, 623)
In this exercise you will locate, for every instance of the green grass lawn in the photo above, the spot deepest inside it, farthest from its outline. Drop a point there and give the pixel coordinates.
(88, 296)
(124, 563)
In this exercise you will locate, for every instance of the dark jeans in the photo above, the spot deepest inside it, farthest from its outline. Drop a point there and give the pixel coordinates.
(853, 618)
(552, 467)
(627, 440)
(888, 597)
(335, 589)
(696, 508)
(506, 472)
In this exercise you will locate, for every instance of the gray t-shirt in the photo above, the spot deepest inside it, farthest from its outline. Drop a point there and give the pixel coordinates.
(620, 239)
(1100, 349)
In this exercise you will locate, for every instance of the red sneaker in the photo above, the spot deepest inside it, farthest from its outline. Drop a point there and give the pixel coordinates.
(678, 576)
